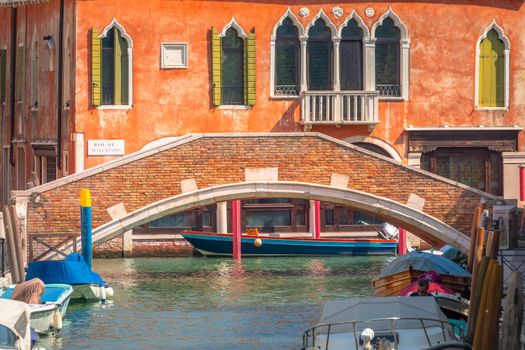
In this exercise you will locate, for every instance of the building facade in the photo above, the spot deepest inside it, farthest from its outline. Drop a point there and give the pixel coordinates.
(439, 86)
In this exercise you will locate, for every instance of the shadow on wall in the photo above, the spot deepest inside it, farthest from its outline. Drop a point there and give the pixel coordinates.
(287, 121)
(504, 4)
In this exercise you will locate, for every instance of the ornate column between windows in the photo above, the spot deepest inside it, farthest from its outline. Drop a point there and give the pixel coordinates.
(303, 40)
(337, 67)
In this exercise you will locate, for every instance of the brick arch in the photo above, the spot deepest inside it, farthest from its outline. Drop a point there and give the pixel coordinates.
(155, 174)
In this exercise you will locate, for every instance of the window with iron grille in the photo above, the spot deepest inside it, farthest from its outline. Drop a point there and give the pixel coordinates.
(320, 51)
(287, 60)
(232, 68)
(351, 57)
(114, 69)
(387, 59)
(45, 163)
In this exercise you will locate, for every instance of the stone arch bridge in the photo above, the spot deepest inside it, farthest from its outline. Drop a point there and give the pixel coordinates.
(201, 169)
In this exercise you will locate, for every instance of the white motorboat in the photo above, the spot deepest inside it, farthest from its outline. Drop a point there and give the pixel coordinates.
(396, 323)
(15, 331)
(47, 317)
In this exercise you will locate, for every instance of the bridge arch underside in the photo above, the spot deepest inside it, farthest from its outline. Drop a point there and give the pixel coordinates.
(419, 223)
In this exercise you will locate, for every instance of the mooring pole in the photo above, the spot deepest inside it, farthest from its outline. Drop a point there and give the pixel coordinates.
(522, 182)
(236, 228)
(317, 219)
(402, 242)
(85, 226)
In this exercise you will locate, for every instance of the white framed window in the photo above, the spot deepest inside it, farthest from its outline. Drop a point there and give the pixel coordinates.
(389, 39)
(173, 55)
(285, 57)
(112, 67)
(492, 69)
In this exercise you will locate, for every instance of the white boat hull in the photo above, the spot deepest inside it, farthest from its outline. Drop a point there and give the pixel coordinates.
(42, 317)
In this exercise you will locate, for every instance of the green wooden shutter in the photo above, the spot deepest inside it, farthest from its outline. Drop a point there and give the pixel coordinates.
(216, 66)
(20, 68)
(3, 71)
(250, 70)
(499, 98)
(96, 68)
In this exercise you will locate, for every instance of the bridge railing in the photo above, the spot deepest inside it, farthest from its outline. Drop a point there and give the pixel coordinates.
(42, 244)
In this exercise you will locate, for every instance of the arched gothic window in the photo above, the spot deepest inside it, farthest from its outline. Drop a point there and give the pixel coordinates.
(111, 67)
(287, 61)
(388, 77)
(320, 51)
(351, 53)
(491, 89)
(232, 76)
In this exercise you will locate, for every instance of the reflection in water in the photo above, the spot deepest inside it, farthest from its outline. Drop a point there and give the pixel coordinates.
(203, 303)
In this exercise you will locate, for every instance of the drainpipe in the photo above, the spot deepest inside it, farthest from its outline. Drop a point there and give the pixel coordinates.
(12, 86)
(60, 85)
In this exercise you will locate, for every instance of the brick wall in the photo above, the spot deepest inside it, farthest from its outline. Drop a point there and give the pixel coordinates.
(213, 160)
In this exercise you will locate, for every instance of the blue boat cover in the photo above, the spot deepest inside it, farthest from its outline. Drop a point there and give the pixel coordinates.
(424, 262)
(73, 270)
(51, 293)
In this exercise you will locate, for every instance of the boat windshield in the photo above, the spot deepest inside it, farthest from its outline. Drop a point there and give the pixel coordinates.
(7, 338)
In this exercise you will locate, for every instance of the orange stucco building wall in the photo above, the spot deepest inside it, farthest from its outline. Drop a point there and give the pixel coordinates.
(172, 102)
(442, 67)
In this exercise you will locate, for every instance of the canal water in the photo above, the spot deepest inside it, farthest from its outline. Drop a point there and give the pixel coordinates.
(212, 303)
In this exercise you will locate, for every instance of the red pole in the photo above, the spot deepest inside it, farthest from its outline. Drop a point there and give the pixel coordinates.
(317, 219)
(236, 228)
(402, 242)
(522, 182)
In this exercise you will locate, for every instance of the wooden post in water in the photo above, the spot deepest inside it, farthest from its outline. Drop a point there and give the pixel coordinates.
(522, 182)
(11, 247)
(473, 238)
(21, 249)
(402, 242)
(513, 314)
(236, 228)
(317, 219)
(86, 227)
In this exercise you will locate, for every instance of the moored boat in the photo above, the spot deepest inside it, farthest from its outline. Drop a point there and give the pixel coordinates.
(393, 322)
(15, 331)
(219, 244)
(75, 272)
(47, 316)
(409, 268)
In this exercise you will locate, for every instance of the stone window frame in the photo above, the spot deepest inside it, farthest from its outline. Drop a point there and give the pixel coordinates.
(273, 38)
(404, 55)
(115, 24)
(506, 53)
(241, 34)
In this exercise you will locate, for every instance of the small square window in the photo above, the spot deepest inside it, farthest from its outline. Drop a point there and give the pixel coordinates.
(173, 55)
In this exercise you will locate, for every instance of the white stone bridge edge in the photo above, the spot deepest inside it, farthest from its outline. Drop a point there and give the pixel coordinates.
(210, 195)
